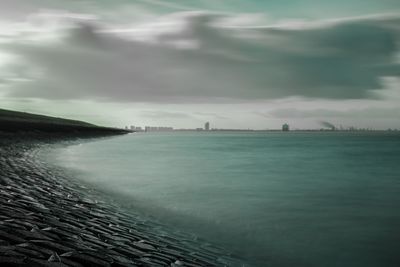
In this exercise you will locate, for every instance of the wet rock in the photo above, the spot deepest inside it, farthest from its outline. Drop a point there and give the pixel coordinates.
(166, 256)
(129, 252)
(12, 261)
(54, 258)
(52, 245)
(142, 245)
(71, 263)
(177, 263)
(29, 252)
(86, 260)
(67, 254)
(4, 243)
(11, 224)
(30, 235)
(11, 238)
(99, 254)
(43, 263)
(4, 249)
(158, 258)
(121, 260)
(41, 250)
(87, 201)
(152, 262)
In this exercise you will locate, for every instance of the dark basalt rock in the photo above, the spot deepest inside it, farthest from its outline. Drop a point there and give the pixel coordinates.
(71, 262)
(41, 250)
(54, 258)
(11, 238)
(12, 261)
(29, 252)
(43, 263)
(52, 245)
(129, 252)
(143, 246)
(86, 260)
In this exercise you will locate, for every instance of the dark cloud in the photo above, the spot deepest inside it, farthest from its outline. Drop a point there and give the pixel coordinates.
(212, 115)
(377, 113)
(206, 61)
(158, 114)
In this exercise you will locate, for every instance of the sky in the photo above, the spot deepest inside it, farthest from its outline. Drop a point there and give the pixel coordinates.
(235, 63)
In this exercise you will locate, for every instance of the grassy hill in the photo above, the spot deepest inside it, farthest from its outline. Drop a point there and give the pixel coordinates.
(14, 121)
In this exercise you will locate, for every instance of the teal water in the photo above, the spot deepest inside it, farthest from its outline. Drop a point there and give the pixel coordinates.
(277, 199)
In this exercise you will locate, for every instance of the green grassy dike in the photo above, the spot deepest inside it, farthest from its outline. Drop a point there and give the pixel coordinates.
(20, 122)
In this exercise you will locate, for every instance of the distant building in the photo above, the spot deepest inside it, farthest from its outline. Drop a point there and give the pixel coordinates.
(158, 129)
(136, 128)
(207, 126)
(285, 127)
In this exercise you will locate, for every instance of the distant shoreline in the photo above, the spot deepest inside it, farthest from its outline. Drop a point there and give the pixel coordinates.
(274, 131)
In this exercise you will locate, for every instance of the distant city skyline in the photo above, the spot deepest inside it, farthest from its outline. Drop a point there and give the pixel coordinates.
(324, 126)
(238, 64)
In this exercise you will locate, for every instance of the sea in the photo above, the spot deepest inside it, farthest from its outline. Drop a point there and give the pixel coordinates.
(279, 199)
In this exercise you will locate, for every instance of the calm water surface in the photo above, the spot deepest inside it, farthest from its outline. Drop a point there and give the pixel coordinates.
(278, 199)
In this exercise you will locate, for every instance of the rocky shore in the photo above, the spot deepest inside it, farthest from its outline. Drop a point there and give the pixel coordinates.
(48, 219)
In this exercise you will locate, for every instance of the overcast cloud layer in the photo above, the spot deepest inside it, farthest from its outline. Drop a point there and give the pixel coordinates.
(204, 58)
(169, 53)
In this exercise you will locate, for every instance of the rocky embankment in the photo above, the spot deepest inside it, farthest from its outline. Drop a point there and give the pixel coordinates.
(48, 219)
(22, 122)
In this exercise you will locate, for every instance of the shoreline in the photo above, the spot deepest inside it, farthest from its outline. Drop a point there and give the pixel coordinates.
(47, 219)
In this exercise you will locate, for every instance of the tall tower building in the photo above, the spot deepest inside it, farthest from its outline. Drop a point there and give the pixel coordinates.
(207, 126)
(285, 127)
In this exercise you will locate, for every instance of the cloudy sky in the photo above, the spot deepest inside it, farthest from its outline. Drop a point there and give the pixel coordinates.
(235, 63)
